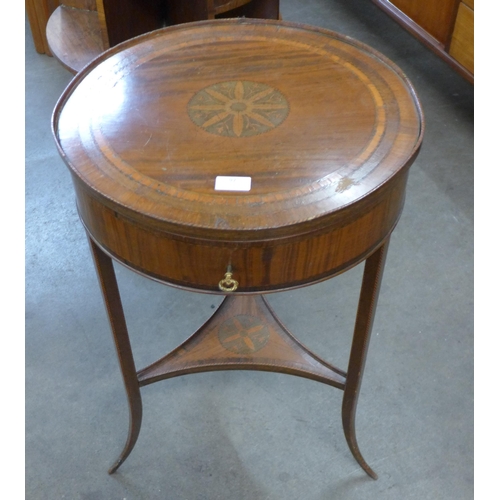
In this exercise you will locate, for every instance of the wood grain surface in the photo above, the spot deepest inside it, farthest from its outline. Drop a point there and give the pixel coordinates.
(86, 42)
(436, 17)
(462, 44)
(325, 127)
(244, 334)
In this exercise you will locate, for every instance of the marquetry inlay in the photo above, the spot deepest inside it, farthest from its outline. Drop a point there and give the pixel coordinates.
(243, 334)
(238, 108)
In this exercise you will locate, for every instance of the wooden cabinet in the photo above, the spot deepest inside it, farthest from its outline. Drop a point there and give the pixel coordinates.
(445, 26)
(38, 12)
(433, 16)
(462, 42)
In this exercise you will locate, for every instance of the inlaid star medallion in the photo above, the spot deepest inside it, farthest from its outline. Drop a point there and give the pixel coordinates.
(238, 108)
(243, 334)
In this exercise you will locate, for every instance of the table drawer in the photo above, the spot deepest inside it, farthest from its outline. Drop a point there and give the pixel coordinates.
(266, 265)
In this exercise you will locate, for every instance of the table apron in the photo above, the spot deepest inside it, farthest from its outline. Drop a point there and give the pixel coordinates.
(258, 266)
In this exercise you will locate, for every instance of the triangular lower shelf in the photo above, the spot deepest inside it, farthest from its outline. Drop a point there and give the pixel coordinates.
(243, 334)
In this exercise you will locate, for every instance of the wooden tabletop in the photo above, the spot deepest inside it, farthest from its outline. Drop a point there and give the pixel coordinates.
(316, 120)
(242, 143)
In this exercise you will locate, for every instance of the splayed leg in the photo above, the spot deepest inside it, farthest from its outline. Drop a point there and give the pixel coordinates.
(111, 295)
(370, 288)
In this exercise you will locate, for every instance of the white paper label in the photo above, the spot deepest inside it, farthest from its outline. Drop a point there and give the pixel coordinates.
(228, 183)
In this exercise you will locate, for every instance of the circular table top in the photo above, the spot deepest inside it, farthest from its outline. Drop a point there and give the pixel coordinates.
(241, 126)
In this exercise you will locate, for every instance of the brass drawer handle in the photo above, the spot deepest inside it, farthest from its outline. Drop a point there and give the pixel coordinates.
(228, 284)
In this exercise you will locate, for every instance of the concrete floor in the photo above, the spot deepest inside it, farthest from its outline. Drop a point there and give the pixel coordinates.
(251, 435)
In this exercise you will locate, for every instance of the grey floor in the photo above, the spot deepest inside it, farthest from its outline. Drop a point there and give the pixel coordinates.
(251, 435)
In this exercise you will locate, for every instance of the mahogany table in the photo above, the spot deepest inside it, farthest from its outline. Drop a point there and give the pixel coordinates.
(240, 157)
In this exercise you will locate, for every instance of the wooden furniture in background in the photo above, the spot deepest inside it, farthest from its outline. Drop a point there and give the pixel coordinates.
(86, 41)
(445, 26)
(240, 157)
(39, 12)
(199, 10)
(462, 41)
(79, 30)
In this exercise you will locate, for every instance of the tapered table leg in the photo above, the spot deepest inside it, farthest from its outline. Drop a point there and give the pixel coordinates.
(370, 288)
(111, 295)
